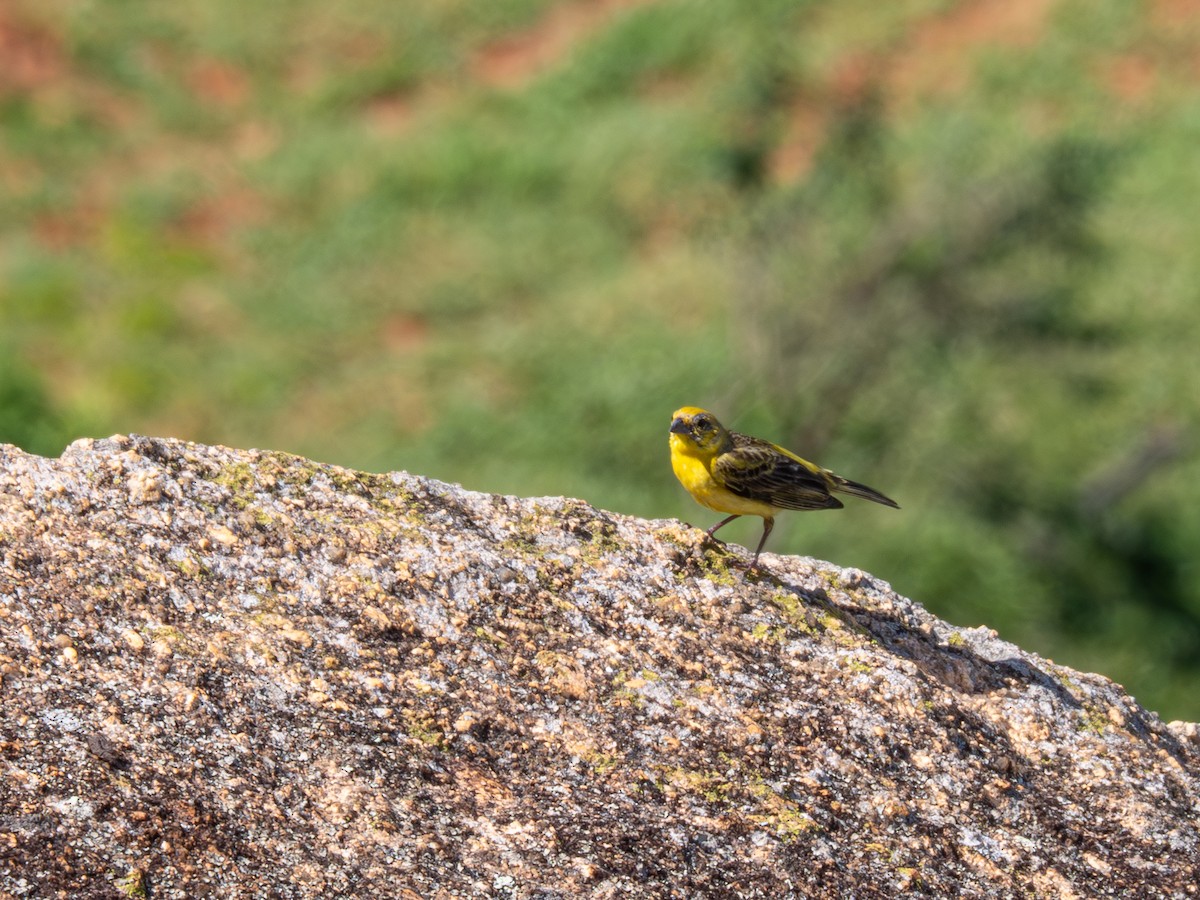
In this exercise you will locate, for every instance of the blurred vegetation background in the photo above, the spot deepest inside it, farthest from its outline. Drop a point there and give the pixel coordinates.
(947, 247)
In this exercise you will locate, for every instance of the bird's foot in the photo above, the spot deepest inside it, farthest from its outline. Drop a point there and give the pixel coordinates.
(756, 569)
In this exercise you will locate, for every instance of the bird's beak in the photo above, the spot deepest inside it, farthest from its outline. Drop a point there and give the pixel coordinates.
(680, 426)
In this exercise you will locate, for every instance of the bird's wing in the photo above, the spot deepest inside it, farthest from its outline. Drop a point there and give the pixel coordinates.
(758, 470)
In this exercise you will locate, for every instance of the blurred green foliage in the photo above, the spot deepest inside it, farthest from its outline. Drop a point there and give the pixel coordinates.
(945, 248)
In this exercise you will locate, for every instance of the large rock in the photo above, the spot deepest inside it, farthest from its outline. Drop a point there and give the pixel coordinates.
(241, 674)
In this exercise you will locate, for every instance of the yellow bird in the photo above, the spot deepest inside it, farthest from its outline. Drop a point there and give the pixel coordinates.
(747, 476)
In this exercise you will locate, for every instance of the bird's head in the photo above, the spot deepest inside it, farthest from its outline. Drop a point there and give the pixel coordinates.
(697, 430)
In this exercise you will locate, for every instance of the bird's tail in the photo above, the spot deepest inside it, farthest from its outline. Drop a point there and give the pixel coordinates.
(854, 489)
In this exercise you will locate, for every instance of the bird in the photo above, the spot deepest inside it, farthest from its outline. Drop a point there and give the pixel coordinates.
(742, 475)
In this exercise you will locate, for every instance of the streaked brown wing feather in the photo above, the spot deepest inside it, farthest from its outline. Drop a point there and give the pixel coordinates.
(756, 470)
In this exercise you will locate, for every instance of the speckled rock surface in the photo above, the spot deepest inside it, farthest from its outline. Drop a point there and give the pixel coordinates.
(243, 674)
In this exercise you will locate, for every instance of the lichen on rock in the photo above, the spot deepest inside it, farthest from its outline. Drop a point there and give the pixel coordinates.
(242, 673)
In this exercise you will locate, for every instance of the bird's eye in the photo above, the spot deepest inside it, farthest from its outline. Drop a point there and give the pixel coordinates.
(703, 423)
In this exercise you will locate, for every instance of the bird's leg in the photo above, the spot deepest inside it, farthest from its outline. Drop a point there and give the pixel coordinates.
(768, 524)
(711, 531)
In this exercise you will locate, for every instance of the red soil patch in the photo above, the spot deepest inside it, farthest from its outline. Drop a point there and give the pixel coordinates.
(936, 56)
(803, 134)
(1178, 24)
(1131, 78)
(939, 53)
(404, 332)
(218, 82)
(513, 60)
(1176, 14)
(62, 230)
(212, 218)
(31, 55)
(507, 63)
(391, 114)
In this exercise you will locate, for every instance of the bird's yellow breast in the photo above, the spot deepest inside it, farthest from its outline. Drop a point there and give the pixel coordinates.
(693, 469)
